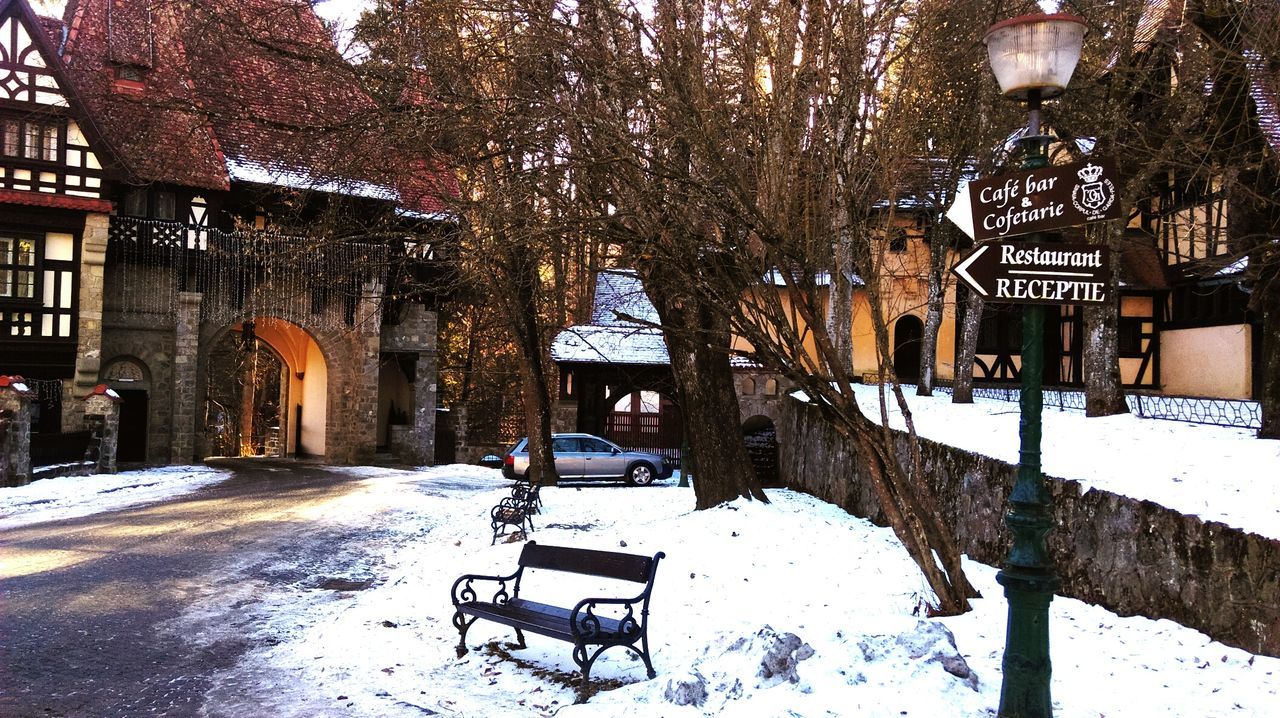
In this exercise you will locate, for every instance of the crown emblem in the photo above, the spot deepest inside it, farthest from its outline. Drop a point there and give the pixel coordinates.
(1090, 172)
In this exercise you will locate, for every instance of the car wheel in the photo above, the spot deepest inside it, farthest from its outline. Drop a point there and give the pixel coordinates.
(640, 475)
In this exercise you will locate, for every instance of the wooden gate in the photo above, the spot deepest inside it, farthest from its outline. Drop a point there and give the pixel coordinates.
(660, 432)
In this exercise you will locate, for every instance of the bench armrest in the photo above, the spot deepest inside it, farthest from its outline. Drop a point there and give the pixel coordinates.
(585, 625)
(464, 592)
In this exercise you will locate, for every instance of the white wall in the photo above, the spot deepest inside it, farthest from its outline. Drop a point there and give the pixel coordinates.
(315, 398)
(1208, 361)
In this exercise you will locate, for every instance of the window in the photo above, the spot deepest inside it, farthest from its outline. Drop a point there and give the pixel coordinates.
(130, 73)
(595, 446)
(1129, 337)
(564, 445)
(135, 203)
(17, 268)
(898, 240)
(166, 206)
(30, 140)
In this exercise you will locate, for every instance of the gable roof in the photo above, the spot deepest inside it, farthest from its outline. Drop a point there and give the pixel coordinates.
(45, 35)
(162, 135)
(622, 328)
(239, 90)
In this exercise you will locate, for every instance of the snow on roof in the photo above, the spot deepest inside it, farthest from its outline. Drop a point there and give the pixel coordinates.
(1236, 267)
(821, 279)
(297, 178)
(620, 292)
(613, 344)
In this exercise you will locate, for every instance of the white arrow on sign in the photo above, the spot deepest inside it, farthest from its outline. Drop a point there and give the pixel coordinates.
(962, 269)
(961, 212)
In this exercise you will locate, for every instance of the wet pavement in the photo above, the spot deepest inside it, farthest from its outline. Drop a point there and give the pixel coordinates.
(84, 602)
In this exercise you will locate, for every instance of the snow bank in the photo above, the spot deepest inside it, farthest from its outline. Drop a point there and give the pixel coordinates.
(1215, 473)
(789, 609)
(72, 496)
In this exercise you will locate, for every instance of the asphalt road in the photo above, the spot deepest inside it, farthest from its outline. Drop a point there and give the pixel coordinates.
(84, 602)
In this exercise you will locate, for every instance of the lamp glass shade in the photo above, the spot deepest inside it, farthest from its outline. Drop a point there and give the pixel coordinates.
(1035, 53)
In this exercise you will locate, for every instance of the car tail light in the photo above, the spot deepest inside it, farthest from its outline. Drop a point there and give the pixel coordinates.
(509, 461)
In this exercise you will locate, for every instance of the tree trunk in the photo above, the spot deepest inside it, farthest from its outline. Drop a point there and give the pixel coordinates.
(929, 342)
(1103, 389)
(962, 385)
(1269, 400)
(522, 316)
(698, 337)
(840, 308)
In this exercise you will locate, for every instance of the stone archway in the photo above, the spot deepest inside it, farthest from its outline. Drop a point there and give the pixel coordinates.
(761, 438)
(296, 410)
(129, 377)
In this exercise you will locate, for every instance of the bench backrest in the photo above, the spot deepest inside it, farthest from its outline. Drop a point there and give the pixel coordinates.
(606, 564)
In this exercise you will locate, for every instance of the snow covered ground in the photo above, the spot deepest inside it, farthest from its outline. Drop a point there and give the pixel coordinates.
(826, 597)
(1216, 473)
(67, 497)
(823, 598)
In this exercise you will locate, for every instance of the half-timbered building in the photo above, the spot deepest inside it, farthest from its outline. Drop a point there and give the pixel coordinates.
(202, 210)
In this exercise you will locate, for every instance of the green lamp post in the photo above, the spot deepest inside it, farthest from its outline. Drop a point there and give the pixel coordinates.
(1033, 57)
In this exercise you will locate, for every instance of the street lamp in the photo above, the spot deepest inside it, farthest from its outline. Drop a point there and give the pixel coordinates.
(1033, 57)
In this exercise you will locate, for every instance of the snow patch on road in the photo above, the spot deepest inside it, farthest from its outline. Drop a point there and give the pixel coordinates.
(69, 497)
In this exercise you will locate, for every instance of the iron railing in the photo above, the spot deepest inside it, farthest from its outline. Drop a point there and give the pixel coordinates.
(1237, 413)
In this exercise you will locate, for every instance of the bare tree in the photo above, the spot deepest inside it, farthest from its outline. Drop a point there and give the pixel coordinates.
(734, 137)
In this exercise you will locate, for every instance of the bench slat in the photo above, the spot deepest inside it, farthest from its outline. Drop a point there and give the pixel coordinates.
(605, 564)
(551, 621)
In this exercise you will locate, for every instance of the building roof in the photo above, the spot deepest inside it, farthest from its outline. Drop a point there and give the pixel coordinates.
(623, 326)
(240, 90)
(620, 300)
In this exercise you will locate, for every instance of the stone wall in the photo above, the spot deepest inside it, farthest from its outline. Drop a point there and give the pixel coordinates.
(93, 258)
(1131, 556)
(149, 341)
(416, 334)
(15, 432)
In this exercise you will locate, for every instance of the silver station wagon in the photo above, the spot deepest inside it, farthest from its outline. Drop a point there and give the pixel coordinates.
(587, 457)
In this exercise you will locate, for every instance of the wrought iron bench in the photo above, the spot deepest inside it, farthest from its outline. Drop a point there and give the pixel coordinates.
(580, 625)
(525, 491)
(517, 513)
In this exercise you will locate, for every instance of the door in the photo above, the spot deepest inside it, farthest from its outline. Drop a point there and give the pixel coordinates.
(601, 460)
(132, 446)
(907, 335)
(568, 457)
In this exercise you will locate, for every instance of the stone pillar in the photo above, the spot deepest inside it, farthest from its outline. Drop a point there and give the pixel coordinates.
(416, 334)
(15, 431)
(102, 416)
(353, 438)
(93, 259)
(425, 393)
(186, 348)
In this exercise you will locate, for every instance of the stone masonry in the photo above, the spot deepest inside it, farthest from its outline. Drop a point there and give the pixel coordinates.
(1131, 556)
(102, 415)
(186, 349)
(93, 258)
(15, 431)
(416, 334)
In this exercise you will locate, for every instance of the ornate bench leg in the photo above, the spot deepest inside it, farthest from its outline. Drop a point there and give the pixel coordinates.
(644, 655)
(463, 625)
(520, 639)
(580, 657)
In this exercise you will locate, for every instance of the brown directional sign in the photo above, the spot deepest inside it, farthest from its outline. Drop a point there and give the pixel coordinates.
(1045, 199)
(1037, 273)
